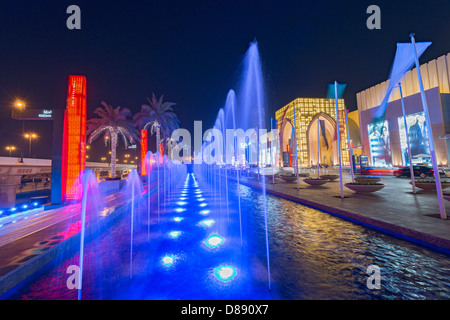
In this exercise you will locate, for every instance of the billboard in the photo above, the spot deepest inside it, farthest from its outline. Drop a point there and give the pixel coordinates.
(380, 144)
(418, 139)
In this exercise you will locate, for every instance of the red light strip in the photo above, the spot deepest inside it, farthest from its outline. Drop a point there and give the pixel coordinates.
(143, 151)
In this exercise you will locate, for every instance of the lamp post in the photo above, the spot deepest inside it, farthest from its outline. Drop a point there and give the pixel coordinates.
(30, 136)
(10, 149)
(21, 105)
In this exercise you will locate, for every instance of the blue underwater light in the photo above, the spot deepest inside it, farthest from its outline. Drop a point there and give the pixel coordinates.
(204, 212)
(174, 234)
(207, 222)
(168, 260)
(180, 210)
(214, 240)
(177, 219)
(225, 273)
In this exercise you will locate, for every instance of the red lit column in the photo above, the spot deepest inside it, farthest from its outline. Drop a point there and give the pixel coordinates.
(143, 151)
(74, 144)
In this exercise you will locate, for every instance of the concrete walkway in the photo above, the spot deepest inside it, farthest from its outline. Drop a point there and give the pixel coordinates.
(394, 209)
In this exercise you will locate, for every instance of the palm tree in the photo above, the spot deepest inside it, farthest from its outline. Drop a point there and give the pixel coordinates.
(112, 123)
(159, 116)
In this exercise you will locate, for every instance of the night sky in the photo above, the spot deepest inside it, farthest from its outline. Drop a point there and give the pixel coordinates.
(191, 51)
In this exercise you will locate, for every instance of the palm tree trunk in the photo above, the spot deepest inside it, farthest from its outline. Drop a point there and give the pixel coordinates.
(113, 154)
(158, 139)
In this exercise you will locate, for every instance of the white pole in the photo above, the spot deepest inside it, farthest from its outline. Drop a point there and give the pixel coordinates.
(349, 148)
(318, 148)
(430, 135)
(295, 137)
(338, 139)
(411, 170)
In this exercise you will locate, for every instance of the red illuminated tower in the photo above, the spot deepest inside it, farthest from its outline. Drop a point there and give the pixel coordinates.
(74, 139)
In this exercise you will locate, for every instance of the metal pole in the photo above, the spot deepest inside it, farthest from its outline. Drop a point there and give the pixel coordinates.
(411, 170)
(295, 137)
(318, 148)
(338, 139)
(437, 178)
(349, 148)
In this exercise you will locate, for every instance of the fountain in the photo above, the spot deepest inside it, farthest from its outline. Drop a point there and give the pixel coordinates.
(132, 190)
(88, 199)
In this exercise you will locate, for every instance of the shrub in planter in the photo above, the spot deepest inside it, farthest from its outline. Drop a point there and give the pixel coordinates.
(368, 179)
(330, 177)
(430, 184)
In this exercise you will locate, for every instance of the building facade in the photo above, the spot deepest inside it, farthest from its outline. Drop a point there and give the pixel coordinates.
(316, 131)
(385, 142)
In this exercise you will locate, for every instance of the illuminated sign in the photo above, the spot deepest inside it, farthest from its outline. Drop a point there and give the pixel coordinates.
(74, 144)
(418, 139)
(143, 151)
(380, 144)
(46, 114)
(32, 114)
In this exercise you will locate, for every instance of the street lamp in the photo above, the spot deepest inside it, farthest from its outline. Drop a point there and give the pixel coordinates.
(30, 136)
(10, 149)
(19, 104)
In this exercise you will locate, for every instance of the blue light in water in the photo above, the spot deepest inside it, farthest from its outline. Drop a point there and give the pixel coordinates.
(13, 209)
(181, 203)
(214, 240)
(25, 206)
(35, 204)
(207, 222)
(225, 273)
(204, 212)
(203, 204)
(168, 260)
(198, 191)
(200, 199)
(180, 210)
(177, 219)
(175, 234)
(183, 198)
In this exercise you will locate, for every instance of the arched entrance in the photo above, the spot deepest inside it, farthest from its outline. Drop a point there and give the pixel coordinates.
(287, 144)
(325, 134)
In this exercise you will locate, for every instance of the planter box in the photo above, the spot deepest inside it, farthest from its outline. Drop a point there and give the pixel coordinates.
(288, 178)
(315, 182)
(367, 180)
(330, 177)
(365, 188)
(430, 186)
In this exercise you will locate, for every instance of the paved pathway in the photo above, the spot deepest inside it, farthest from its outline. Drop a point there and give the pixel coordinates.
(394, 209)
